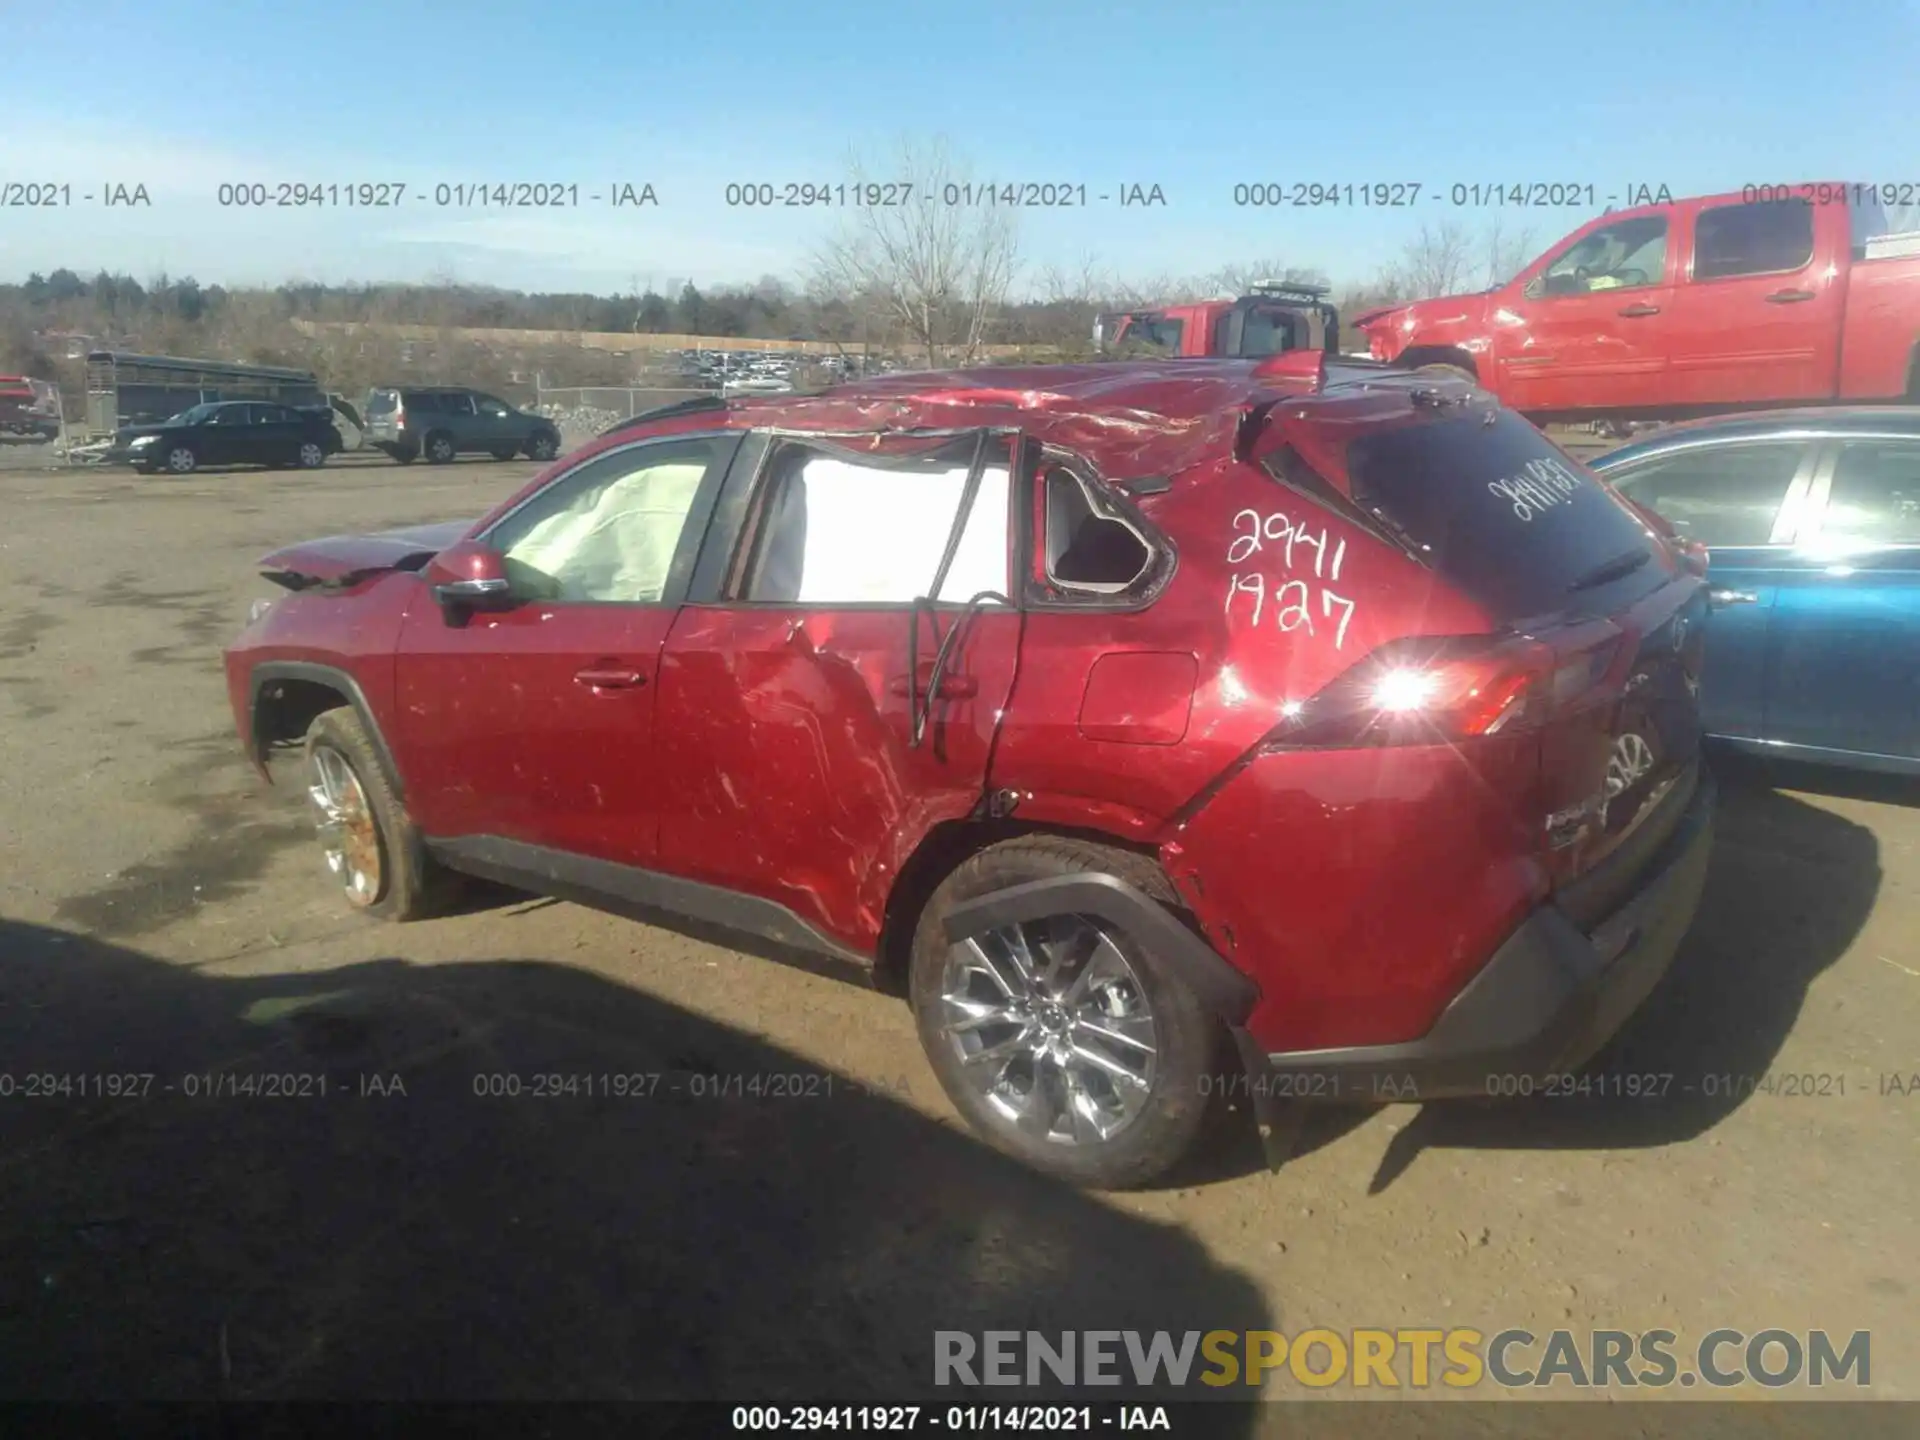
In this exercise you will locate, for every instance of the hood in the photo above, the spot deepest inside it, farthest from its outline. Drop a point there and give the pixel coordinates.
(346, 559)
(1378, 313)
(151, 427)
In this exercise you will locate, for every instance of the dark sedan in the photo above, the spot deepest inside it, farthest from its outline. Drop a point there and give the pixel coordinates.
(1812, 521)
(230, 432)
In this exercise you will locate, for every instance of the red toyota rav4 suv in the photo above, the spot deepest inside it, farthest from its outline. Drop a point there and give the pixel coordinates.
(1162, 730)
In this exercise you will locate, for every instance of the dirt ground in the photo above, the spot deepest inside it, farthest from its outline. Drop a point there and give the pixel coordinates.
(162, 913)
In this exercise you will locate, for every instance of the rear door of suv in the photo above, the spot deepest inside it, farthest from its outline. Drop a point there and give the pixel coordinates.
(805, 742)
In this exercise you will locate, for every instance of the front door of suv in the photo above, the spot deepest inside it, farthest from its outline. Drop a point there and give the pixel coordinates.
(791, 689)
(535, 725)
(494, 425)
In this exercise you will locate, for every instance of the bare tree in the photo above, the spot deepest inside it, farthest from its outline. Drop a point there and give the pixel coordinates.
(1435, 262)
(1506, 251)
(941, 270)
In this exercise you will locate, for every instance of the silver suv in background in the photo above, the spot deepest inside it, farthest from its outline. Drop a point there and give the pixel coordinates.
(443, 421)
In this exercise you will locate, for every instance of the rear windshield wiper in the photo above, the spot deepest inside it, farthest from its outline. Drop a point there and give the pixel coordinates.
(1614, 569)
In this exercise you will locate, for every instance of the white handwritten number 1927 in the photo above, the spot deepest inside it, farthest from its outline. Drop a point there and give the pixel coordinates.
(1295, 599)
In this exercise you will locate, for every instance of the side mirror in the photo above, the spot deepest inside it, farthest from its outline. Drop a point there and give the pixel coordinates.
(467, 577)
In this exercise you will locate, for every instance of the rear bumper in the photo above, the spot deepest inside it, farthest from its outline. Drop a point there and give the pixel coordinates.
(1551, 996)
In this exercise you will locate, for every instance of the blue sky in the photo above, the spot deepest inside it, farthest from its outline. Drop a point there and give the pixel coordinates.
(183, 95)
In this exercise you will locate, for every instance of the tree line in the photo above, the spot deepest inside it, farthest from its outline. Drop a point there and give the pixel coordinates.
(933, 284)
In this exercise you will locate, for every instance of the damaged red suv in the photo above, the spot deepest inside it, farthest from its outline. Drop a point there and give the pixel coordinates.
(1161, 730)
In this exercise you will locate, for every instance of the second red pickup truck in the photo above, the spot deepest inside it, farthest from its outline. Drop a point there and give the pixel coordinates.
(1773, 295)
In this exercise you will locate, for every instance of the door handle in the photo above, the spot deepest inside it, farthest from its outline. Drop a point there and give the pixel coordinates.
(1719, 598)
(952, 687)
(1636, 311)
(609, 677)
(1789, 297)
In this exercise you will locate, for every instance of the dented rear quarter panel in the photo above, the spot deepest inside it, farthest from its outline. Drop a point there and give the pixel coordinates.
(1321, 875)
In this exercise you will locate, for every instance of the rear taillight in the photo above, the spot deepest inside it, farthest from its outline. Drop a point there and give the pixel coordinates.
(1426, 691)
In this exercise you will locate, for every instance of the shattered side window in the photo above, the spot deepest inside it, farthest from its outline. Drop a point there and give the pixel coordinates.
(838, 532)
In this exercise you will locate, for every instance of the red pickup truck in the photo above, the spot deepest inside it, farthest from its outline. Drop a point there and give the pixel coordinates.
(29, 407)
(1776, 294)
(1274, 317)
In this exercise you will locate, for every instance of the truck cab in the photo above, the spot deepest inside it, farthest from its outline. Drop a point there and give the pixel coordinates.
(1772, 295)
(1272, 318)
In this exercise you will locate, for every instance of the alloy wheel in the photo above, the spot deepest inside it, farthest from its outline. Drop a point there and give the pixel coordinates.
(181, 460)
(312, 456)
(343, 819)
(1052, 1028)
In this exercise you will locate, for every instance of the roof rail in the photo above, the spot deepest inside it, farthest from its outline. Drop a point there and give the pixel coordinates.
(695, 406)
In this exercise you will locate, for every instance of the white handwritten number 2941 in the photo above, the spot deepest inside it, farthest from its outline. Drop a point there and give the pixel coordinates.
(1294, 598)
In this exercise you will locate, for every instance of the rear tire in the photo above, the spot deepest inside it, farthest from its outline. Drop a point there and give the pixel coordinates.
(440, 448)
(1131, 1131)
(369, 841)
(312, 455)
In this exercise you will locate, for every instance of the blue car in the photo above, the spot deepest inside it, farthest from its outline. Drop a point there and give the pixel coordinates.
(1812, 523)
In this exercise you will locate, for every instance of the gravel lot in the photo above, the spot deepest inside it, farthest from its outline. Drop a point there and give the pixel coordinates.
(162, 912)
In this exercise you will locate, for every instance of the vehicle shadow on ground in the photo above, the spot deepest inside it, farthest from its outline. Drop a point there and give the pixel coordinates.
(1789, 887)
(690, 1239)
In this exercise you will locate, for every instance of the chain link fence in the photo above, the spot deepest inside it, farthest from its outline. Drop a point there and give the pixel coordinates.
(583, 411)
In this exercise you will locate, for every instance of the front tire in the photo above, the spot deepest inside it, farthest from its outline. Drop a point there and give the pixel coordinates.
(1065, 1043)
(370, 846)
(181, 460)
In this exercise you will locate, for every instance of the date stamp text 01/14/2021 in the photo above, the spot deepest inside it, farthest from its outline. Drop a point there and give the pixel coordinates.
(1649, 1086)
(54, 192)
(47, 1085)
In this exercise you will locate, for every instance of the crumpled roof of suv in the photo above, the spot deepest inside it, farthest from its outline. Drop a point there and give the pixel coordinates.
(1131, 418)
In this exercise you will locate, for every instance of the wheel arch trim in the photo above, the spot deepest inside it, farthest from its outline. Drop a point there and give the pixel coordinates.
(269, 672)
(1220, 986)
